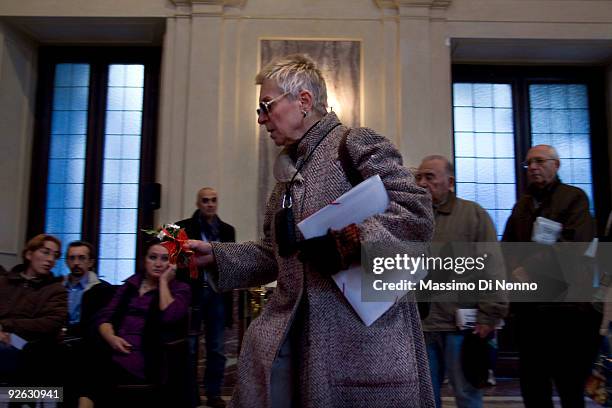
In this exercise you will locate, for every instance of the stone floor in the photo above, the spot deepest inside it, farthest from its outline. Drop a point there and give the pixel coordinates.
(506, 394)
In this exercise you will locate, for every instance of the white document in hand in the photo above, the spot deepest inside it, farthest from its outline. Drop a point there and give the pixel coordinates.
(18, 342)
(362, 201)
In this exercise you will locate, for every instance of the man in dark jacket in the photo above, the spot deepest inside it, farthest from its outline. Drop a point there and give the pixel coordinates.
(87, 294)
(209, 306)
(555, 340)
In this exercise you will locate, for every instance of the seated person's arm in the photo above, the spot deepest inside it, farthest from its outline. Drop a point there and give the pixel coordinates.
(105, 327)
(173, 303)
(117, 343)
(5, 337)
(47, 323)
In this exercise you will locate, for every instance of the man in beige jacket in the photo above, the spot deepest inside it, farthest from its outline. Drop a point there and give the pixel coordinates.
(456, 221)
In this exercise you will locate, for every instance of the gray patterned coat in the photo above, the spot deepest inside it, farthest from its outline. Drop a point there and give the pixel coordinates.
(342, 363)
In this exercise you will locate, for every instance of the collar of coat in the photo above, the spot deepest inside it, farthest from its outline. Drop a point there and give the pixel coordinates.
(447, 206)
(16, 278)
(92, 280)
(285, 166)
(542, 193)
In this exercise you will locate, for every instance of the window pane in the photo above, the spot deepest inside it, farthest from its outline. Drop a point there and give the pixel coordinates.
(462, 95)
(121, 172)
(116, 270)
(564, 123)
(483, 95)
(502, 96)
(66, 165)
(464, 119)
(484, 147)
(464, 144)
(483, 119)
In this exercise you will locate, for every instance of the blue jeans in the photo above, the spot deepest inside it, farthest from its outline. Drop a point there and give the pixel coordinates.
(444, 352)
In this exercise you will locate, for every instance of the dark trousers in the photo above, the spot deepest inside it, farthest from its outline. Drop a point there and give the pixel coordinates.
(557, 345)
(212, 311)
(10, 362)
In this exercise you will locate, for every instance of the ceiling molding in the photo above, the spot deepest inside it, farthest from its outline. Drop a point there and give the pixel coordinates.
(188, 8)
(396, 4)
(222, 3)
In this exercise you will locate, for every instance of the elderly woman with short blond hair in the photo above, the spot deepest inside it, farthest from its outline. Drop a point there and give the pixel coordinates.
(309, 348)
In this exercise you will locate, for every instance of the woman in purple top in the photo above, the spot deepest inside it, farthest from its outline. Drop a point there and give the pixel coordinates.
(148, 310)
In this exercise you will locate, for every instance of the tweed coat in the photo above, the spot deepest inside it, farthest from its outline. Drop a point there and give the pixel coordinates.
(342, 363)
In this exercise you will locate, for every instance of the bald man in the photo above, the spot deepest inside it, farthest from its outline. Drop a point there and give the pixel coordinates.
(213, 308)
(556, 340)
(457, 220)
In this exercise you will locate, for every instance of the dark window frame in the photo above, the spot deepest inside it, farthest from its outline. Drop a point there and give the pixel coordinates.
(99, 59)
(520, 77)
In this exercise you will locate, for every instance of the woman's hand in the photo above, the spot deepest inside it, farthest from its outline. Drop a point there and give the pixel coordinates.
(169, 274)
(202, 252)
(5, 337)
(119, 344)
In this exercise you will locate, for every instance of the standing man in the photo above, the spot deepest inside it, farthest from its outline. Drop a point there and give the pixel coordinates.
(209, 306)
(87, 294)
(555, 340)
(456, 221)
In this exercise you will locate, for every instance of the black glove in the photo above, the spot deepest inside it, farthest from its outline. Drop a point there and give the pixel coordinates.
(332, 252)
(321, 254)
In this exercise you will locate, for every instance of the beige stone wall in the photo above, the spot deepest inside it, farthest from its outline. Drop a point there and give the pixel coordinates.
(17, 90)
(208, 133)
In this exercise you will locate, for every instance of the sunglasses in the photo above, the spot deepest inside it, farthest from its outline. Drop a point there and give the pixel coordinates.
(264, 107)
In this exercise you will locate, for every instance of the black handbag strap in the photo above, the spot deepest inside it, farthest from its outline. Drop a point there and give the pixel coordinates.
(344, 156)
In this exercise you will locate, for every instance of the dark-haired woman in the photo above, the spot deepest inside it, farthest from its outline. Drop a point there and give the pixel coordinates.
(148, 311)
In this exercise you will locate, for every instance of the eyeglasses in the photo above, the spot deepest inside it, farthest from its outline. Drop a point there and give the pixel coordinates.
(537, 161)
(264, 107)
(48, 251)
(207, 200)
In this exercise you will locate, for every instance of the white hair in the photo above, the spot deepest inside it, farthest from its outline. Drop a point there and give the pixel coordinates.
(295, 73)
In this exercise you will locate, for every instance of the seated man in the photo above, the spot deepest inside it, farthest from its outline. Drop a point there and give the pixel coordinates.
(32, 308)
(87, 294)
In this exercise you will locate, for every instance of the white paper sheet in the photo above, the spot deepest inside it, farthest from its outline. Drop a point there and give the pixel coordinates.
(546, 231)
(18, 342)
(362, 201)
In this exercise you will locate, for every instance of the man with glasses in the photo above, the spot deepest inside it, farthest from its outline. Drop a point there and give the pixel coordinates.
(556, 341)
(207, 305)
